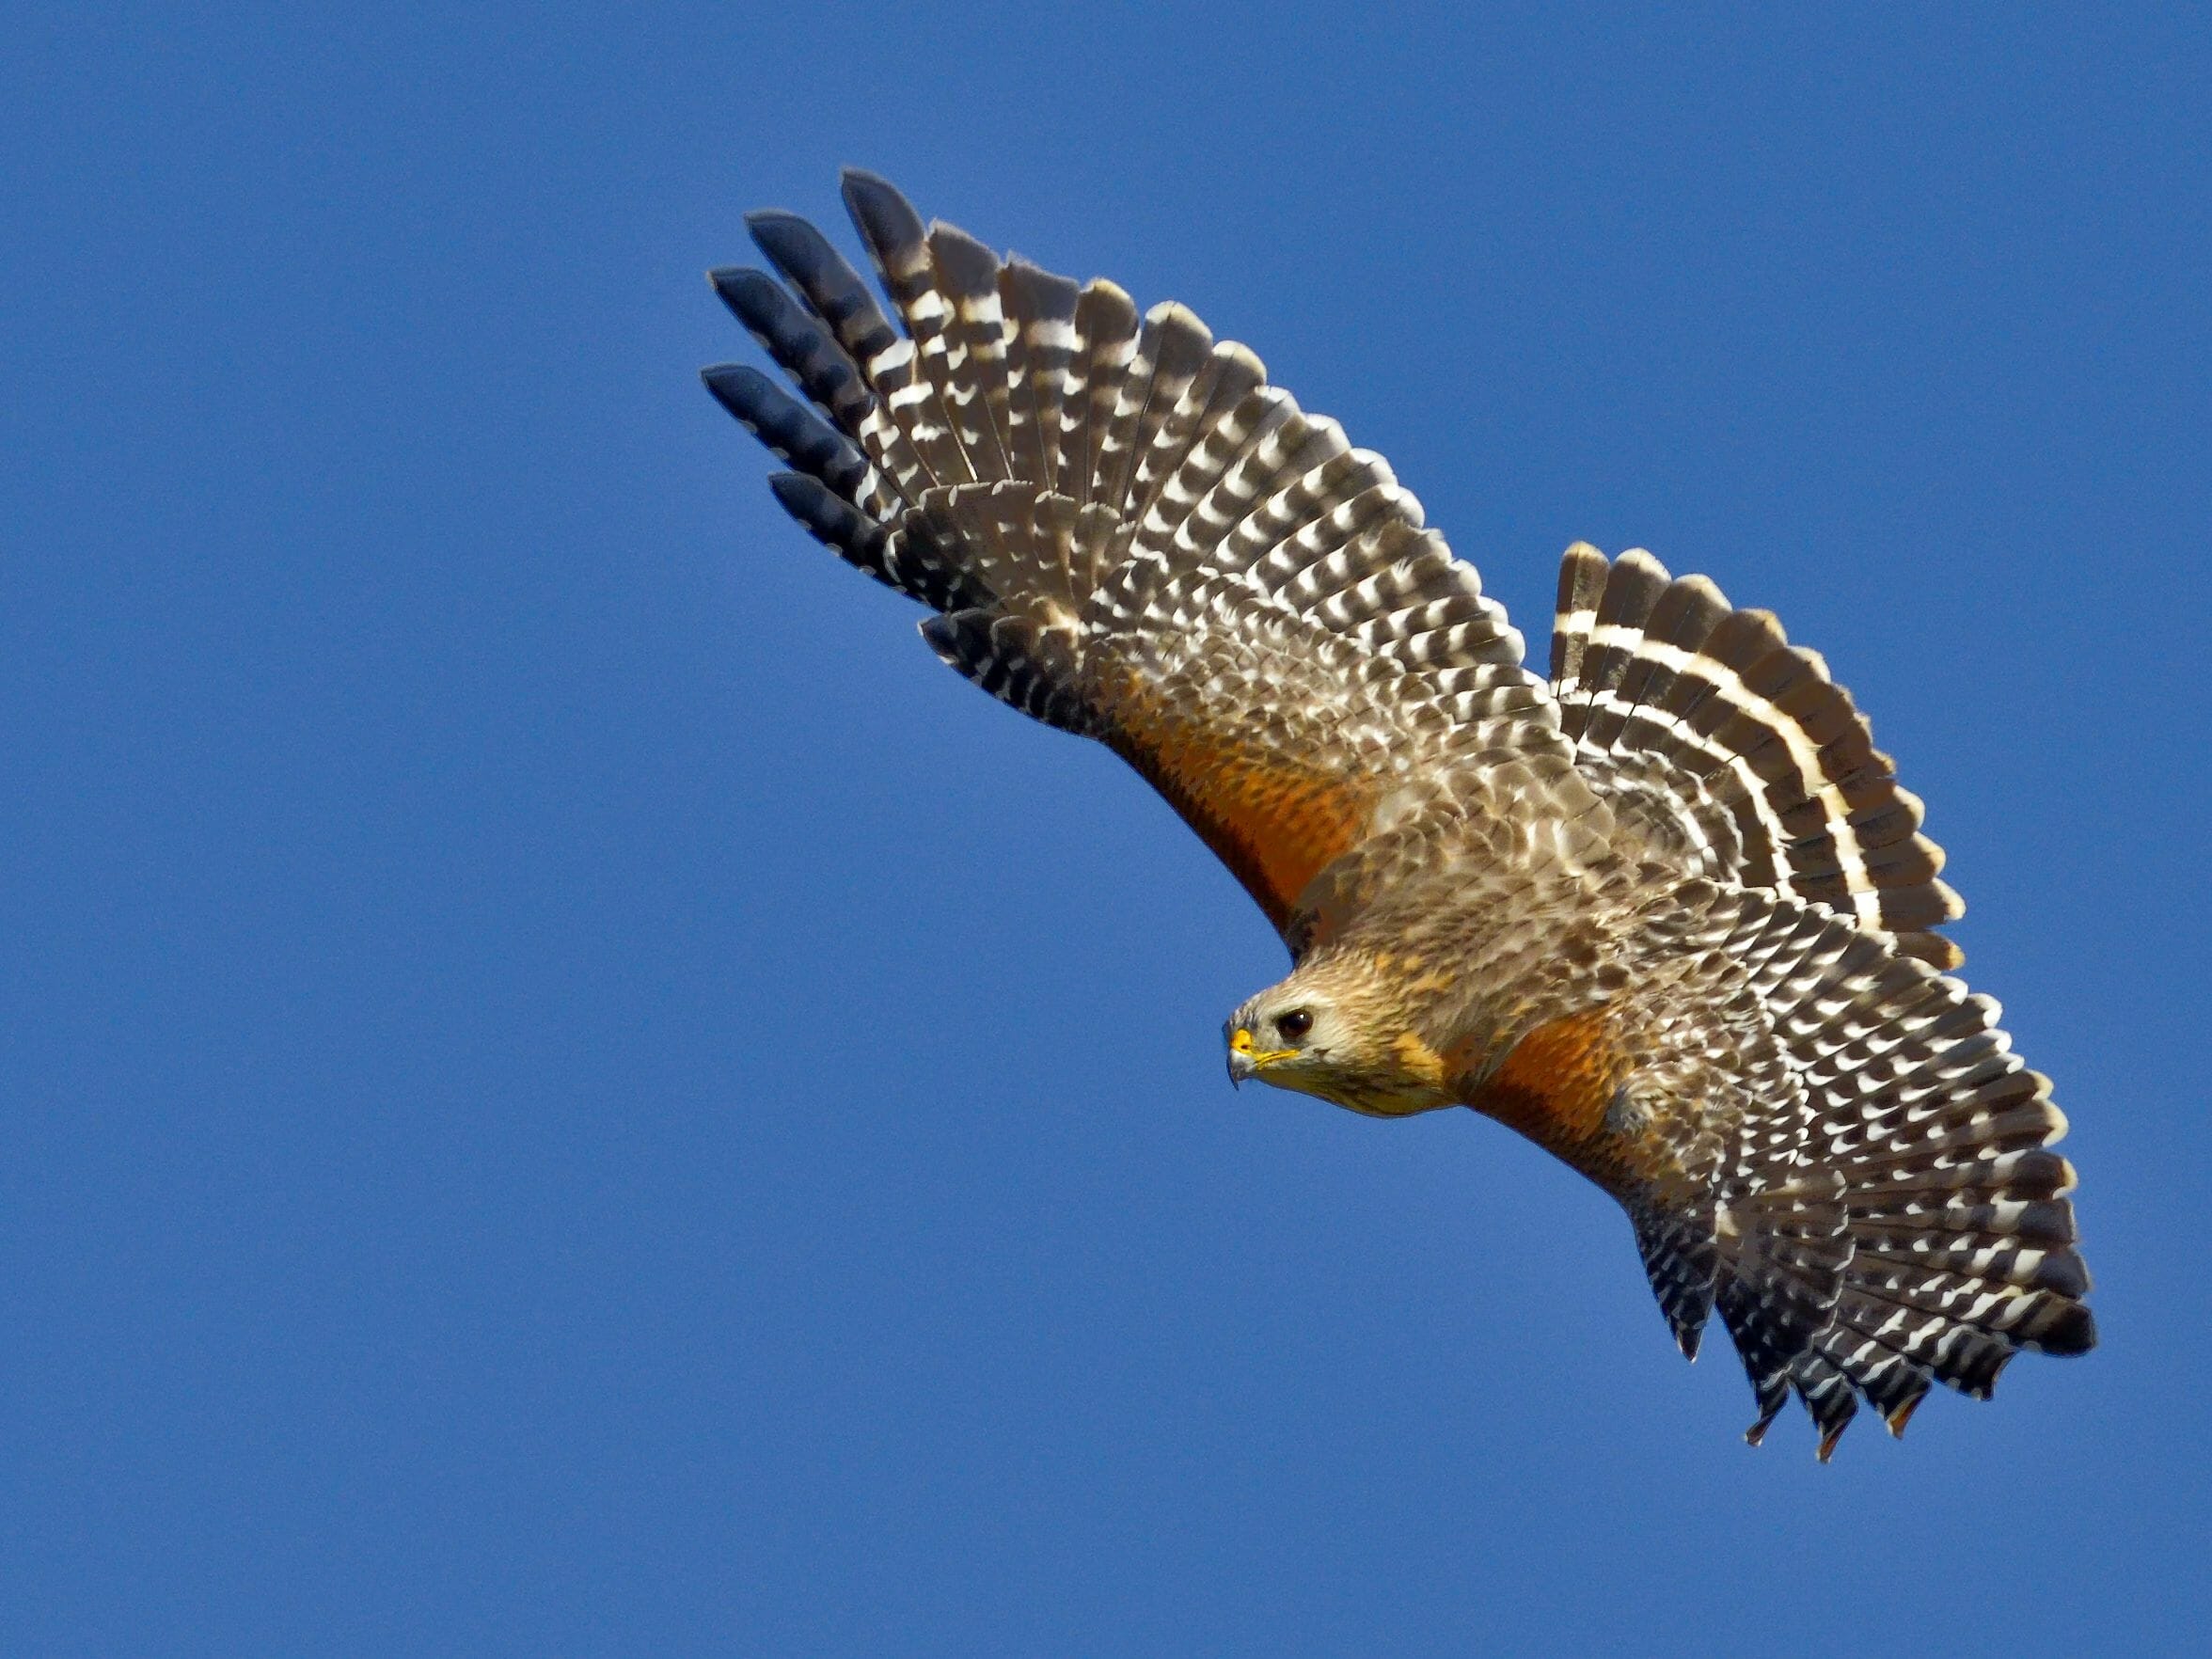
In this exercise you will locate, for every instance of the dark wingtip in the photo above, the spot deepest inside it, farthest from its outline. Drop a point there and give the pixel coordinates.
(882, 216)
(832, 520)
(728, 279)
(738, 387)
(752, 295)
(791, 244)
(805, 498)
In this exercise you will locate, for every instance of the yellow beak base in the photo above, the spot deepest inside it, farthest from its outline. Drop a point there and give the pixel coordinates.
(1245, 1059)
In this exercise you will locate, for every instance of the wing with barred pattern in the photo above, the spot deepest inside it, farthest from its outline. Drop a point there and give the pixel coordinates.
(1891, 1215)
(1130, 534)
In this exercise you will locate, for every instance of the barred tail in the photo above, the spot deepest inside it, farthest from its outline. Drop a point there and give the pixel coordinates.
(1921, 1233)
(1736, 748)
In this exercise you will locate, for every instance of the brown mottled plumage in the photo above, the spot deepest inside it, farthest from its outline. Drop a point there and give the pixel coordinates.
(1669, 915)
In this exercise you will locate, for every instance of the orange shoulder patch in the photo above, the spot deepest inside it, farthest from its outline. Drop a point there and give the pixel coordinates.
(1555, 1085)
(1273, 822)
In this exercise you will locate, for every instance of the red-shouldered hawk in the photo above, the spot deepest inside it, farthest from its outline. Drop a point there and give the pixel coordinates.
(1669, 916)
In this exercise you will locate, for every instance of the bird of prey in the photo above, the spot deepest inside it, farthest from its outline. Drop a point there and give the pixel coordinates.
(1669, 915)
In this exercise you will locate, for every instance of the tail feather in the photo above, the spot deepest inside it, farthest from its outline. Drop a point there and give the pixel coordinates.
(1632, 588)
(1582, 584)
(1734, 747)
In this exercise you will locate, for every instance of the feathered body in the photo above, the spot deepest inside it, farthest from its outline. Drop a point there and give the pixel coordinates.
(1667, 914)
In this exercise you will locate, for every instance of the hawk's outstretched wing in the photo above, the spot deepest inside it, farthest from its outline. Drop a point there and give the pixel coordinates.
(1128, 533)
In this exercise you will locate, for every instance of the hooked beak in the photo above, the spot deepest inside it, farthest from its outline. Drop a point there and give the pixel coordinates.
(1246, 1061)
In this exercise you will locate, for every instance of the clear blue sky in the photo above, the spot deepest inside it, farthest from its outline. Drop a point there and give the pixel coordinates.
(569, 1090)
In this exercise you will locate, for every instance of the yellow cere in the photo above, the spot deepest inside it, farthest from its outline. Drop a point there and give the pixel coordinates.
(1240, 1042)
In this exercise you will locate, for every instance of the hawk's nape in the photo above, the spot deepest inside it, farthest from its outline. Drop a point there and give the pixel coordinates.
(1670, 916)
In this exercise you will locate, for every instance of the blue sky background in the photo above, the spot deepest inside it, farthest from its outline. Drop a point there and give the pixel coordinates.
(569, 1090)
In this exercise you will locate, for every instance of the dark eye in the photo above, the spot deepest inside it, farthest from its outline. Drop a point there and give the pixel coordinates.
(1294, 1024)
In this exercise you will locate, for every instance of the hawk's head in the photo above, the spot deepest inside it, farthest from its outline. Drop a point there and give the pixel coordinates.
(1339, 1028)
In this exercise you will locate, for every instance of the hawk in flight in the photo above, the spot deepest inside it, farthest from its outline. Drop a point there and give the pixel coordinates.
(1669, 914)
